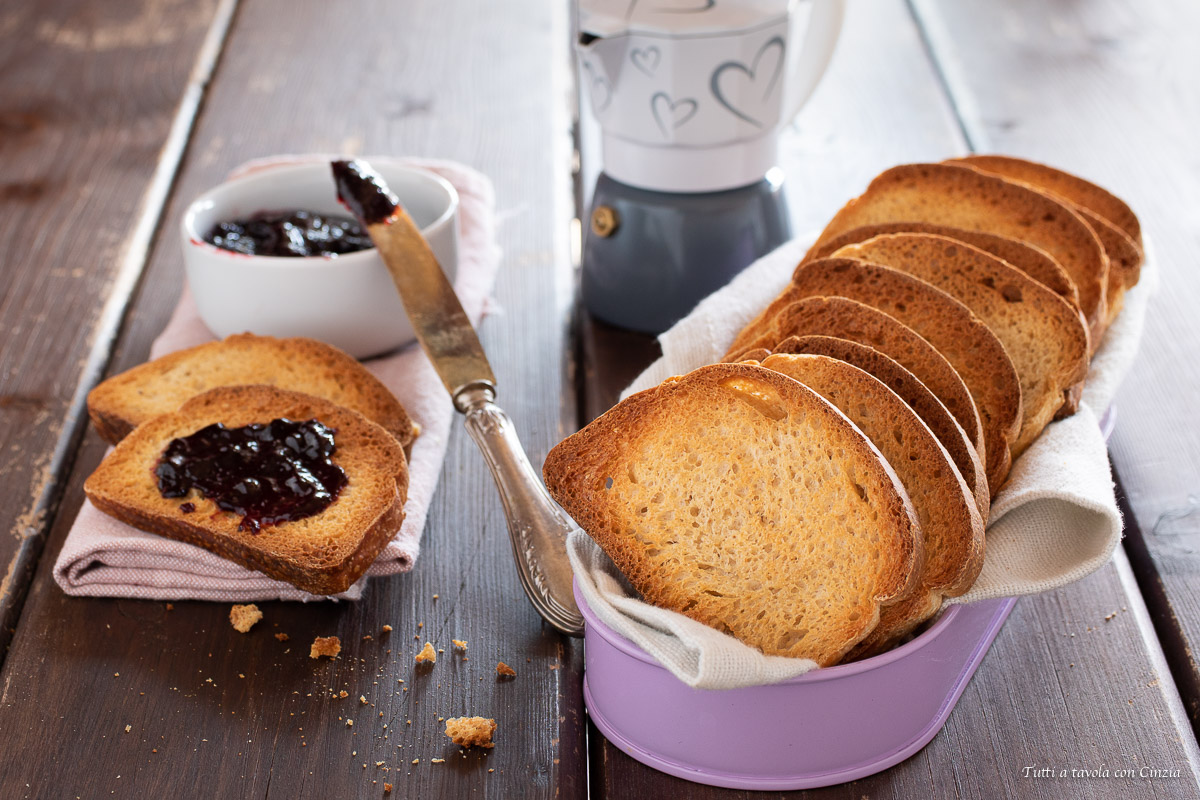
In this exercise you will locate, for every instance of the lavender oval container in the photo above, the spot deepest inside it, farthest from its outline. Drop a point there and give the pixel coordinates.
(826, 727)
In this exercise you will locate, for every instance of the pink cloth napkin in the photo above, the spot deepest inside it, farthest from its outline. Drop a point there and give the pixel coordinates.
(106, 558)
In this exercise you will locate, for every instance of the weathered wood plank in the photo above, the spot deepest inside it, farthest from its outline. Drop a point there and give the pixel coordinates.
(1062, 686)
(1109, 91)
(421, 78)
(92, 128)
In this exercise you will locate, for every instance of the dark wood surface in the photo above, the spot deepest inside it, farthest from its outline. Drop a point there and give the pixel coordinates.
(80, 670)
(87, 100)
(86, 111)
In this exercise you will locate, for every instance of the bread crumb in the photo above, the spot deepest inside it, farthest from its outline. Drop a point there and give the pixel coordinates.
(362, 699)
(243, 618)
(505, 670)
(128, 728)
(461, 644)
(386, 629)
(325, 646)
(387, 788)
(416, 761)
(437, 761)
(170, 606)
(343, 693)
(468, 731)
(349, 723)
(427, 654)
(283, 637)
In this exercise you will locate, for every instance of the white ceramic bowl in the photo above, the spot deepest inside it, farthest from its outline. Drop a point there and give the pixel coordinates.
(348, 301)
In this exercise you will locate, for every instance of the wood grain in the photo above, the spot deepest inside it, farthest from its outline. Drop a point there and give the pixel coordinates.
(1065, 684)
(1109, 91)
(422, 78)
(87, 106)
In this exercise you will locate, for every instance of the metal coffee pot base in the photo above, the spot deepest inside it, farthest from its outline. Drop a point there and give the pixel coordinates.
(650, 257)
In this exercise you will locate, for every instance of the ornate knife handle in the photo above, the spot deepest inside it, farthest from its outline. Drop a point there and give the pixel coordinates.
(536, 525)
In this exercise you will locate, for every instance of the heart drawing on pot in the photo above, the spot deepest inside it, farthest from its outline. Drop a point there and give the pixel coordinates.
(599, 86)
(734, 80)
(646, 59)
(671, 114)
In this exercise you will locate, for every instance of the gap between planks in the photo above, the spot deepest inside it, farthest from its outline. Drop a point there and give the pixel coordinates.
(112, 315)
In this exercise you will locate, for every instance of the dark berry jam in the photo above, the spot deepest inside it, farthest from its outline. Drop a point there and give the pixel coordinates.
(290, 233)
(271, 473)
(363, 191)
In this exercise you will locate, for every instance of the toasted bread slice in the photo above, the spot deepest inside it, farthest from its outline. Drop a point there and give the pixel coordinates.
(964, 197)
(950, 522)
(909, 389)
(124, 401)
(322, 554)
(739, 497)
(966, 342)
(1045, 338)
(1033, 261)
(1082, 193)
(849, 319)
(1093, 203)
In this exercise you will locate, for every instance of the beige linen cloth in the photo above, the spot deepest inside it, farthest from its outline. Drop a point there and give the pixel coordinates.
(106, 558)
(1054, 522)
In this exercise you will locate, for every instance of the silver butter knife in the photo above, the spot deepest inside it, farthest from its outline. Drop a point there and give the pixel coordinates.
(536, 525)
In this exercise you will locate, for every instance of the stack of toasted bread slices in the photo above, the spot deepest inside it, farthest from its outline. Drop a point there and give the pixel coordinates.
(245, 383)
(938, 324)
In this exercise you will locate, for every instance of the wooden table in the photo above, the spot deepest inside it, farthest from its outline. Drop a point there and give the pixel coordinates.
(113, 115)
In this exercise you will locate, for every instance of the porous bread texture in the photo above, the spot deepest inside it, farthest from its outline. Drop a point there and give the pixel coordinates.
(857, 322)
(1124, 252)
(471, 731)
(1033, 261)
(964, 197)
(124, 401)
(325, 647)
(914, 393)
(1045, 338)
(950, 523)
(244, 617)
(739, 497)
(322, 554)
(973, 350)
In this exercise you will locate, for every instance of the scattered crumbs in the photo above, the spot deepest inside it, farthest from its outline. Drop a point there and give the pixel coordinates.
(427, 654)
(170, 607)
(387, 788)
(362, 699)
(468, 731)
(386, 629)
(461, 644)
(325, 646)
(116, 674)
(416, 761)
(554, 666)
(283, 637)
(379, 763)
(240, 675)
(367, 638)
(435, 597)
(1110, 617)
(343, 693)
(243, 618)
(504, 670)
(128, 728)
(437, 761)
(492, 770)
(155, 750)
(349, 723)
(399, 680)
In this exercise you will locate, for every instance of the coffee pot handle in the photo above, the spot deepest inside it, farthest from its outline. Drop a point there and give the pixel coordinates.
(807, 63)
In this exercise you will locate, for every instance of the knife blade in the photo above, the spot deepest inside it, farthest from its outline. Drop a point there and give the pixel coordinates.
(537, 526)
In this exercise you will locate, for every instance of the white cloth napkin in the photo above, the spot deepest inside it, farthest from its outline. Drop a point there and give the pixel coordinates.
(1054, 522)
(106, 558)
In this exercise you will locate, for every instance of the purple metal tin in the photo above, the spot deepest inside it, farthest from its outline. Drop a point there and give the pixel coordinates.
(828, 726)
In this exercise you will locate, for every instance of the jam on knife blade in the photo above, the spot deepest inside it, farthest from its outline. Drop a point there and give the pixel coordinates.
(363, 191)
